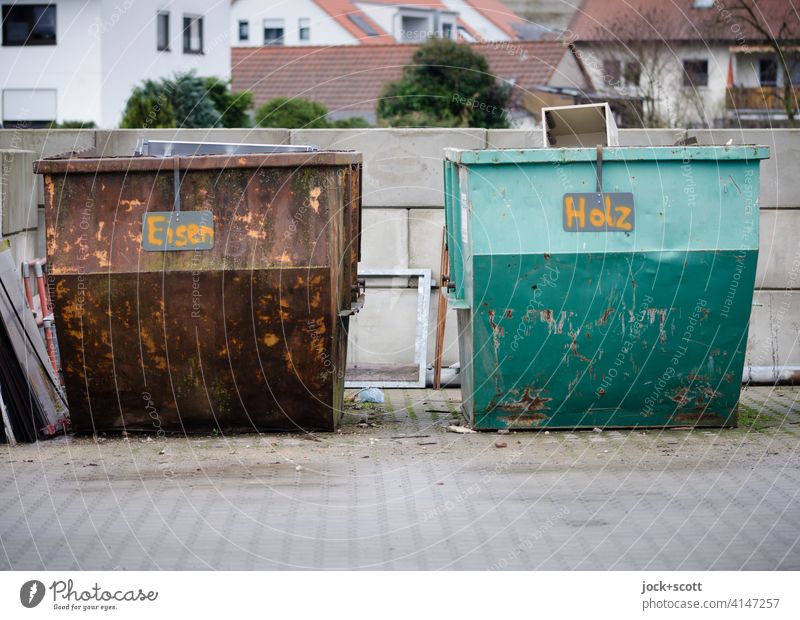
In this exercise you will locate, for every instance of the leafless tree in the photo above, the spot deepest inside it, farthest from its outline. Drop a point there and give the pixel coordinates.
(640, 61)
(778, 25)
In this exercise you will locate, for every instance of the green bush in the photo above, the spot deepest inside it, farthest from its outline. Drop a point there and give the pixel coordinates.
(447, 84)
(286, 113)
(352, 122)
(185, 100)
(292, 114)
(231, 106)
(73, 125)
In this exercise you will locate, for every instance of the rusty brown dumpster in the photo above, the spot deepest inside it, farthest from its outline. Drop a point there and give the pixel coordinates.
(195, 293)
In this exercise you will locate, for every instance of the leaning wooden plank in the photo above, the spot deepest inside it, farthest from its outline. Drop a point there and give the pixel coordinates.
(29, 349)
(441, 315)
(7, 430)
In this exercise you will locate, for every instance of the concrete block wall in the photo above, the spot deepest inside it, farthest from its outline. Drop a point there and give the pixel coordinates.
(403, 217)
(19, 217)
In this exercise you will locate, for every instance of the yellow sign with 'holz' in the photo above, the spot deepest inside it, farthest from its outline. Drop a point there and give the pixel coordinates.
(177, 230)
(599, 212)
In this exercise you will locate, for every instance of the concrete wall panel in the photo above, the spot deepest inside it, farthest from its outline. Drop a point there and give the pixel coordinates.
(402, 167)
(17, 191)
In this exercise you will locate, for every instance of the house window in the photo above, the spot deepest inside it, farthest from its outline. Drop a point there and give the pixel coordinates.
(29, 24)
(162, 30)
(244, 30)
(768, 72)
(413, 28)
(633, 73)
(29, 108)
(304, 29)
(695, 73)
(794, 71)
(192, 34)
(273, 32)
(465, 34)
(364, 25)
(612, 72)
(447, 31)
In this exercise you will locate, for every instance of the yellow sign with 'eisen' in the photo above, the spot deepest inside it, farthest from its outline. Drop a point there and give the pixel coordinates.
(177, 230)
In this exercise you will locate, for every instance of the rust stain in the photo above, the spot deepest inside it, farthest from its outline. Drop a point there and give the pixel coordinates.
(605, 316)
(130, 204)
(313, 198)
(254, 233)
(102, 258)
(270, 340)
(679, 395)
(573, 347)
(553, 326)
(527, 402)
(526, 421)
(709, 419)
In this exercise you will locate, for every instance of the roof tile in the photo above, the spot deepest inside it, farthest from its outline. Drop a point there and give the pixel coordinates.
(350, 78)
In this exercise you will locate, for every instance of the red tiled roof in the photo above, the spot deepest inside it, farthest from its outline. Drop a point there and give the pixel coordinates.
(350, 78)
(678, 20)
(428, 4)
(340, 9)
(493, 10)
(499, 14)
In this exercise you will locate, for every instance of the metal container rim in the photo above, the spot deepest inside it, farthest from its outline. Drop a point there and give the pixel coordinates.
(144, 163)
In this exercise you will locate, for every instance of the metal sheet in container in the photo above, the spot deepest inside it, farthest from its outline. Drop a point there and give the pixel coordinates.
(171, 148)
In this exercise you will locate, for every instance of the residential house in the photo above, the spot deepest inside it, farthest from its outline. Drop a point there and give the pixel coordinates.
(549, 14)
(693, 62)
(78, 60)
(349, 79)
(256, 23)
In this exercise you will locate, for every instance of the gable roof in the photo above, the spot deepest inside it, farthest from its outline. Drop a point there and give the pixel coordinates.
(499, 14)
(341, 10)
(680, 20)
(349, 79)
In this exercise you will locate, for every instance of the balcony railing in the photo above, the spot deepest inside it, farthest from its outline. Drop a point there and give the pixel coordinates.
(759, 98)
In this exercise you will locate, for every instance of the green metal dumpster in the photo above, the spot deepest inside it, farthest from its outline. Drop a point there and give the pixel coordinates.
(605, 287)
(202, 292)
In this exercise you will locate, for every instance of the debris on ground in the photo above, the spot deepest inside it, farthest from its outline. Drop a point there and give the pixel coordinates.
(459, 429)
(502, 431)
(500, 444)
(370, 395)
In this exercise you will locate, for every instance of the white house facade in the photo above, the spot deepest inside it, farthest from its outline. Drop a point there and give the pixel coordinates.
(255, 23)
(285, 22)
(697, 61)
(78, 60)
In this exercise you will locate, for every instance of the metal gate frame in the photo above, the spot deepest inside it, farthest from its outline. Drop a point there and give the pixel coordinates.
(424, 284)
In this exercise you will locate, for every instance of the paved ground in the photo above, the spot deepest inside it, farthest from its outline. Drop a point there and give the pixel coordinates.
(393, 490)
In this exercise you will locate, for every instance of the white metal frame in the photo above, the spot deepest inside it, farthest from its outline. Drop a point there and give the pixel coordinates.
(424, 284)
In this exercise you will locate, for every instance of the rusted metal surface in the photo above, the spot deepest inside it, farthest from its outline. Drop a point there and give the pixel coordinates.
(248, 335)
